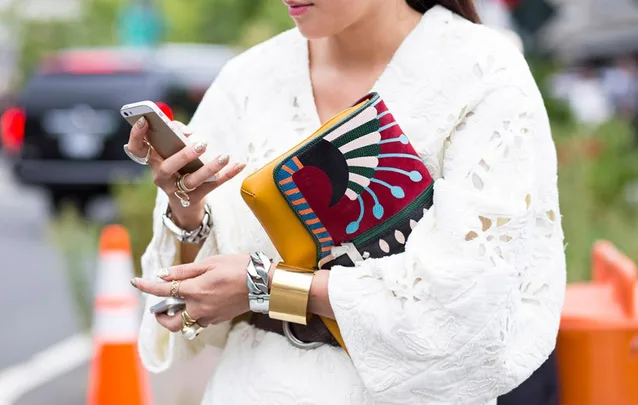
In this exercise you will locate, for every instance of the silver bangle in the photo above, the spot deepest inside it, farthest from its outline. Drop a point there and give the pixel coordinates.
(194, 237)
(257, 283)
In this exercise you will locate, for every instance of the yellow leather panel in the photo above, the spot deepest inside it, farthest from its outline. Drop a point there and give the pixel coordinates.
(285, 230)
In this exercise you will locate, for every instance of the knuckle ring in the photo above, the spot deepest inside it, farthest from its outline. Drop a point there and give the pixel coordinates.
(137, 159)
(179, 183)
(175, 289)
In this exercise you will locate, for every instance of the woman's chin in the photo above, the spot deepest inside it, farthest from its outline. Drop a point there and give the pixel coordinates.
(314, 30)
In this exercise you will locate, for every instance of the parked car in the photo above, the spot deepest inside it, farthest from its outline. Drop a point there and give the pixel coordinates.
(66, 133)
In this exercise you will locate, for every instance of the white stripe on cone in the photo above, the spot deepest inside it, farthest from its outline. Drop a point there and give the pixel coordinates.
(116, 301)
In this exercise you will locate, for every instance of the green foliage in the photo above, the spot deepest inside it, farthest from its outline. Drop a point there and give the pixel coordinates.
(94, 27)
(616, 166)
(37, 38)
(271, 18)
(241, 23)
(77, 241)
(99, 18)
(212, 21)
(135, 202)
(592, 184)
(558, 111)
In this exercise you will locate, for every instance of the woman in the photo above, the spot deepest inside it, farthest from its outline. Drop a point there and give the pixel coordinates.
(470, 309)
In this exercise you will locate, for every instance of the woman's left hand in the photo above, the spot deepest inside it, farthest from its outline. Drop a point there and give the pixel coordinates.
(214, 289)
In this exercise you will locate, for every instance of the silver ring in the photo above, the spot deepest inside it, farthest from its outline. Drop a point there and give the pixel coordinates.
(184, 199)
(181, 186)
(296, 341)
(135, 158)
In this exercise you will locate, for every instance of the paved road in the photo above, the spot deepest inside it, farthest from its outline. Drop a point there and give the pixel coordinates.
(37, 308)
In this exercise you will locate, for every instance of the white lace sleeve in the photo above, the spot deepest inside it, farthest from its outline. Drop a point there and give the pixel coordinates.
(472, 307)
(215, 121)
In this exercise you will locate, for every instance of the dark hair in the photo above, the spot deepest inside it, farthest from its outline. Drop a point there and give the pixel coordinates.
(464, 8)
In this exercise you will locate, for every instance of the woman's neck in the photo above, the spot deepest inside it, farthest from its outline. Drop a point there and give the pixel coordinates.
(371, 41)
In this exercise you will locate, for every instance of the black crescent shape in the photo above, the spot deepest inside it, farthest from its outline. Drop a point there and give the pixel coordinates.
(329, 159)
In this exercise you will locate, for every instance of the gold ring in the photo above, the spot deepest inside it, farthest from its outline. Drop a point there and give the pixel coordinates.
(187, 319)
(190, 327)
(175, 288)
(184, 199)
(181, 186)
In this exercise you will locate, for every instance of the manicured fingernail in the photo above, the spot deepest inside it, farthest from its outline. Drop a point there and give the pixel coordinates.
(187, 130)
(223, 159)
(240, 166)
(133, 283)
(199, 146)
(211, 179)
(141, 123)
(161, 273)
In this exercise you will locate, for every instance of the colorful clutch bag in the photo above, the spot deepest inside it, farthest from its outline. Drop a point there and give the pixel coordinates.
(353, 190)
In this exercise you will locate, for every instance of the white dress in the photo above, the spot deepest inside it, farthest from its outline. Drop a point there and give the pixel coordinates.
(472, 307)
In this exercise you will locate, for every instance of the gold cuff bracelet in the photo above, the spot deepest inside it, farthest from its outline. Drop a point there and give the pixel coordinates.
(289, 293)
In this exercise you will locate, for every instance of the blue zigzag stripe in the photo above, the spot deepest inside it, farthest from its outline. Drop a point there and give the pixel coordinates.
(282, 175)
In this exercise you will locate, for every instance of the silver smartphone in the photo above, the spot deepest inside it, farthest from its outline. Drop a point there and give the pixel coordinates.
(170, 306)
(163, 135)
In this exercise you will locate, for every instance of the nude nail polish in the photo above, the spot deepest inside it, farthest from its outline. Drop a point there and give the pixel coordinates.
(199, 146)
(223, 159)
(161, 273)
(133, 283)
(141, 123)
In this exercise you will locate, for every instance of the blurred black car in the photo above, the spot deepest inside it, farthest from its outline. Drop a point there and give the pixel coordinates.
(66, 134)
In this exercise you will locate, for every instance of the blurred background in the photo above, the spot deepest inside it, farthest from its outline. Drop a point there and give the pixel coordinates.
(67, 66)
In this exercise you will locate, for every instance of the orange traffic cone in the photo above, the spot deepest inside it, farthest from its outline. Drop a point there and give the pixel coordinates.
(116, 376)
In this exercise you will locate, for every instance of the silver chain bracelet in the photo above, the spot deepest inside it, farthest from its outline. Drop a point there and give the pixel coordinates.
(257, 282)
(193, 237)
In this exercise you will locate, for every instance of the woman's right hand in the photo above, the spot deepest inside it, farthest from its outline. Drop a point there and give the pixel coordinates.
(165, 173)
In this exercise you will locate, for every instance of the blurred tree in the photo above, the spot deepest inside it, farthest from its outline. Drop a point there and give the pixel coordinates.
(209, 21)
(95, 26)
(242, 23)
(271, 18)
(98, 23)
